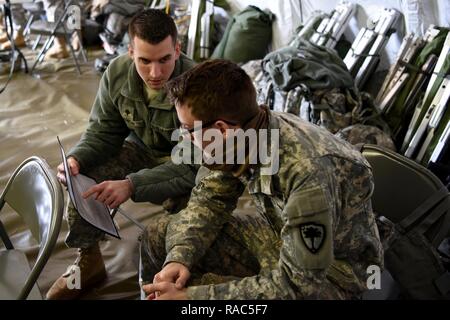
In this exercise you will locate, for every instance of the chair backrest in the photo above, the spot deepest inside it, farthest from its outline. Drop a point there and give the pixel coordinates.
(66, 4)
(415, 200)
(35, 194)
(58, 26)
(401, 184)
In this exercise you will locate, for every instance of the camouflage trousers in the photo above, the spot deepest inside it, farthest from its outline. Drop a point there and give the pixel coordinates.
(246, 246)
(131, 158)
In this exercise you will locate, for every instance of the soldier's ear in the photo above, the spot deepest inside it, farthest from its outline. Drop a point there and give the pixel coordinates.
(130, 51)
(222, 126)
(177, 49)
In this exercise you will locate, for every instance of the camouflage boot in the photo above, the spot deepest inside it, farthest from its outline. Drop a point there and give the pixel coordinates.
(90, 268)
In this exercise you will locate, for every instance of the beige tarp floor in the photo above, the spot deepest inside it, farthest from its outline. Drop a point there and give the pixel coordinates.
(33, 111)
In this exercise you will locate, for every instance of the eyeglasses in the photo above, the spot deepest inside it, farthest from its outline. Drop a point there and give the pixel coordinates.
(185, 131)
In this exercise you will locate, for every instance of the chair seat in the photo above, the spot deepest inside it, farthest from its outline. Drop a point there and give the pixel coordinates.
(46, 28)
(14, 270)
(33, 7)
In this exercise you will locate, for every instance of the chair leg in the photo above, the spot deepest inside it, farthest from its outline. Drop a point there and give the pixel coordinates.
(36, 43)
(26, 29)
(73, 55)
(48, 45)
(83, 50)
(41, 53)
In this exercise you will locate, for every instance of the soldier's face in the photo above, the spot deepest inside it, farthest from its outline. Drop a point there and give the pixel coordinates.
(189, 125)
(154, 62)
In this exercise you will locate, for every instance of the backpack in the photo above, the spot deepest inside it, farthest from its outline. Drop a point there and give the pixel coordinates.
(414, 251)
(247, 36)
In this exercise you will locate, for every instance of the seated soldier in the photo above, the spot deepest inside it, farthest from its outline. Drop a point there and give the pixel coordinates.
(315, 234)
(126, 147)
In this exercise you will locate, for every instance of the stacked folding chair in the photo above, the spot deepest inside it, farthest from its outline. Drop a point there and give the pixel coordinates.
(158, 4)
(320, 28)
(333, 26)
(199, 46)
(326, 29)
(432, 113)
(306, 30)
(415, 95)
(364, 54)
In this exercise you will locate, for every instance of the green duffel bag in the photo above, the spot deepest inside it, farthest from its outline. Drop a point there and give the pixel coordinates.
(247, 36)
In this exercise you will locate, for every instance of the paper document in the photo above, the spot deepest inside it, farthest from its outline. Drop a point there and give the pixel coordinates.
(92, 211)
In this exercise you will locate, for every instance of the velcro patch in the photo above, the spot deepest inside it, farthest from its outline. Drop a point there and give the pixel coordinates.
(313, 236)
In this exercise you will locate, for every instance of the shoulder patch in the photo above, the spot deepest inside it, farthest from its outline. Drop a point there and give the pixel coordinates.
(313, 236)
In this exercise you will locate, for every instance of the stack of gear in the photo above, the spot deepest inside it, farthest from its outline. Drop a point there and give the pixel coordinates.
(116, 42)
(247, 36)
(117, 14)
(312, 82)
(415, 95)
(364, 54)
(326, 29)
(320, 28)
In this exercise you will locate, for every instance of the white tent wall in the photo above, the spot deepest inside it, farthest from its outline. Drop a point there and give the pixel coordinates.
(417, 15)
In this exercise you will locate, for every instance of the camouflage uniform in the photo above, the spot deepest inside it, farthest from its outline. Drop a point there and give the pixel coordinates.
(315, 237)
(129, 136)
(360, 134)
(252, 68)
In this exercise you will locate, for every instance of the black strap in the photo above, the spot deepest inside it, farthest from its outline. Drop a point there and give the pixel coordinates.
(423, 209)
(444, 230)
(433, 216)
(364, 55)
(420, 70)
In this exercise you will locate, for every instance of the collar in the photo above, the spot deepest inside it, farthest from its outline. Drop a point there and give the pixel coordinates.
(257, 181)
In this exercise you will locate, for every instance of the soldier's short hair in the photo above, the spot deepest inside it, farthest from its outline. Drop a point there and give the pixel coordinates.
(152, 26)
(215, 89)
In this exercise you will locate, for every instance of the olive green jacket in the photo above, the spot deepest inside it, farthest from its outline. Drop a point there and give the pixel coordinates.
(121, 111)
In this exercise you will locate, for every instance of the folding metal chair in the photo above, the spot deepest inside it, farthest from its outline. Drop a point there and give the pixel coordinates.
(35, 11)
(57, 29)
(402, 186)
(35, 194)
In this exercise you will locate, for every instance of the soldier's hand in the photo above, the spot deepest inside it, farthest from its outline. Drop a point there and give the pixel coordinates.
(74, 170)
(173, 272)
(164, 291)
(112, 193)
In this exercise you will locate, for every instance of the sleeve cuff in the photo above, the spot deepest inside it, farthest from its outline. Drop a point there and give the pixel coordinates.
(181, 255)
(198, 292)
(135, 180)
(80, 160)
